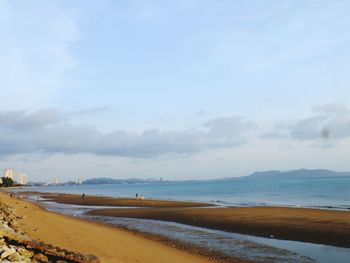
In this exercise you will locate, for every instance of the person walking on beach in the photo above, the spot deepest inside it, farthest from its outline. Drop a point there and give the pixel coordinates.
(137, 196)
(83, 196)
(141, 198)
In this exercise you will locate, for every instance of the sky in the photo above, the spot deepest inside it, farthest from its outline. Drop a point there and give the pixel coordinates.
(181, 89)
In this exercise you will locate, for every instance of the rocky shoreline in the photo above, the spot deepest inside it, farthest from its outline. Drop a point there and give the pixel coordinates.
(16, 246)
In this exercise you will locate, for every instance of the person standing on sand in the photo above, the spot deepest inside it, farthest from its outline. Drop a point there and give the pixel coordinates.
(137, 196)
(141, 198)
(83, 196)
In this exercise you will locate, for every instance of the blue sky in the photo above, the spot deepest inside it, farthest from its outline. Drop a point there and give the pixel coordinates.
(173, 89)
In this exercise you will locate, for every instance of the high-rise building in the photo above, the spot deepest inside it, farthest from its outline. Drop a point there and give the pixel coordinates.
(9, 173)
(21, 178)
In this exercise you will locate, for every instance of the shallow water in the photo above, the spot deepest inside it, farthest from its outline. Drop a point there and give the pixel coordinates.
(231, 244)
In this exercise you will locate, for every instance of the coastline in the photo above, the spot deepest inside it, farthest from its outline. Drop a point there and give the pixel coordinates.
(109, 244)
(298, 224)
(88, 200)
(319, 226)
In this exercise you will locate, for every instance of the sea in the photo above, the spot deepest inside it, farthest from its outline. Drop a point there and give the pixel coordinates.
(316, 192)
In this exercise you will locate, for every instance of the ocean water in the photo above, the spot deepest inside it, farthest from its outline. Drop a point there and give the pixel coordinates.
(322, 192)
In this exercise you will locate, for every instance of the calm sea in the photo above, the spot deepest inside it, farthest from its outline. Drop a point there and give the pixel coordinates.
(324, 192)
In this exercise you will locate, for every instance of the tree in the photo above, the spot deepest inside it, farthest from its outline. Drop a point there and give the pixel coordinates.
(7, 182)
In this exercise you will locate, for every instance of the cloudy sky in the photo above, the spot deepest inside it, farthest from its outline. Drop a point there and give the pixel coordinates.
(181, 89)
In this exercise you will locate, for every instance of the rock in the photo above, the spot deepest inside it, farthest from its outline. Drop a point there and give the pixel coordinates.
(65, 251)
(40, 258)
(15, 257)
(3, 248)
(26, 253)
(7, 253)
(2, 232)
(16, 246)
(92, 258)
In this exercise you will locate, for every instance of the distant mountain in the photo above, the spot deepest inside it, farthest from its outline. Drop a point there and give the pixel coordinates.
(293, 174)
(301, 173)
(119, 181)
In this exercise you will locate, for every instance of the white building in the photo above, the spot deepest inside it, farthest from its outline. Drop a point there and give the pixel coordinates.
(9, 173)
(55, 181)
(21, 178)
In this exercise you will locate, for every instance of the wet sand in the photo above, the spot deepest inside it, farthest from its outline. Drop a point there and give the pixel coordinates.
(299, 224)
(318, 226)
(74, 199)
(110, 244)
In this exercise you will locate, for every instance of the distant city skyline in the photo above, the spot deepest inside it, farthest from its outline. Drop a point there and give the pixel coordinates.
(17, 177)
(173, 89)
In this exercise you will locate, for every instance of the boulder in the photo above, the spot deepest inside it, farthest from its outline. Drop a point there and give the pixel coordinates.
(26, 253)
(7, 253)
(40, 258)
(15, 257)
(3, 248)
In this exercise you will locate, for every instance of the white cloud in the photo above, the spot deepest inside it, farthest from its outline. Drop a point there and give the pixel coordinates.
(327, 122)
(50, 132)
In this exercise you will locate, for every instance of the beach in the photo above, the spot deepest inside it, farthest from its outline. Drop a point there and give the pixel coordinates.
(308, 225)
(319, 226)
(75, 199)
(109, 244)
(118, 244)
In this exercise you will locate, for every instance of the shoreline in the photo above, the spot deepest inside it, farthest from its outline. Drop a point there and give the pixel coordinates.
(90, 200)
(312, 225)
(54, 196)
(297, 224)
(78, 235)
(315, 226)
(214, 256)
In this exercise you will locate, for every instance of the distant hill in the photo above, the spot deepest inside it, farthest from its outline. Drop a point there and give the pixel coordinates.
(293, 174)
(301, 173)
(119, 181)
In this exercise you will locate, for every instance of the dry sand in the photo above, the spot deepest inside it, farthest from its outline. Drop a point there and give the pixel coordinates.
(108, 243)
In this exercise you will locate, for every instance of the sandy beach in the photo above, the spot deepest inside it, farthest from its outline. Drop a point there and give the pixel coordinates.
(74, 199)
(112, 244)
(330, 227)
(109, 244)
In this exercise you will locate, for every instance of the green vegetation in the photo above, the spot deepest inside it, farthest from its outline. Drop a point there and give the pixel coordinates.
(7, 182)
